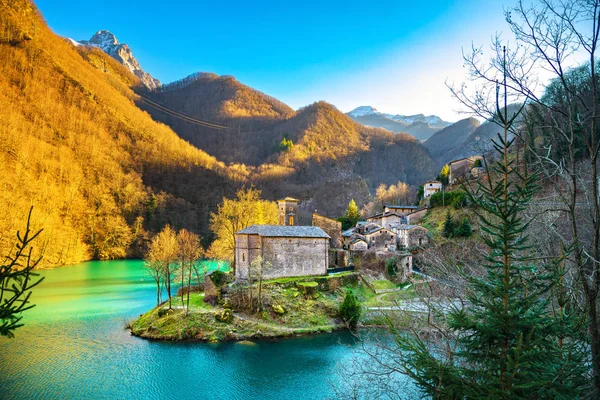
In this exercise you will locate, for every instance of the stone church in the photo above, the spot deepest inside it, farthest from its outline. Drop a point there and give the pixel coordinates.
(291, 250)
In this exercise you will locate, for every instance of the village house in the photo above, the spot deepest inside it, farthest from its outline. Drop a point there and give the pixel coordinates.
(461, 169)
(290, 250)
(400, 210)
(410, 236)
(358, 244)
(386, 219)
(380, 239)
(430, 188)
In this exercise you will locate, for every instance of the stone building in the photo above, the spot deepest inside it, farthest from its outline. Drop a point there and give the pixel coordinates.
(288, 211)
(381, 239)
(410, 236)
(461, 169)
(291, 250)
(400, 210)
(386, 219)
(430, 188)
(330, 226)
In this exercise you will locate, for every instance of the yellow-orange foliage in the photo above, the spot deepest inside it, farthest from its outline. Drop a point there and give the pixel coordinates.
(74, 145)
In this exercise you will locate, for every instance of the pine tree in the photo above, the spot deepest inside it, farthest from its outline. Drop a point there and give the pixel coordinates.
(449, 226)
(350, 309)
(464, 229)
(509, 343)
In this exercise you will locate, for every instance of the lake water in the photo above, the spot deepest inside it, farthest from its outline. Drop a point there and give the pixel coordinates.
(74, 346)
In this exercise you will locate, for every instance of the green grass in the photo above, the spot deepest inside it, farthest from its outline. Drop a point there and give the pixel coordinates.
(383, 284)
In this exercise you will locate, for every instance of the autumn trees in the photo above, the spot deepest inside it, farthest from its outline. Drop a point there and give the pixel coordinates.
(236, 214)
(173, 253)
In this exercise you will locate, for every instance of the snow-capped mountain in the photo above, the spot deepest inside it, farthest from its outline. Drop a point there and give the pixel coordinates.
(432, 120)
(106, 41)
(419, 125)
(363, 110)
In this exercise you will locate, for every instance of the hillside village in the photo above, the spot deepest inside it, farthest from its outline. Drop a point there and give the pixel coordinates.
(292, 250)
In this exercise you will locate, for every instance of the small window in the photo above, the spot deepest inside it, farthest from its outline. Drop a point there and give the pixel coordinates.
(291, 220)
(244, 257)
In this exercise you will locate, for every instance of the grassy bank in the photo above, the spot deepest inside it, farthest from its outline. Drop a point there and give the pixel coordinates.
(288, 311)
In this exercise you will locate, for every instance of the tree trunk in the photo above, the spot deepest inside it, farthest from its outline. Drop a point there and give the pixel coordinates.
(595, 336)
(168, 284)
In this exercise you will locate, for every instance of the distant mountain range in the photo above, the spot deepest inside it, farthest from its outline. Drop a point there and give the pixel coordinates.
(420, 126)
(121, 52)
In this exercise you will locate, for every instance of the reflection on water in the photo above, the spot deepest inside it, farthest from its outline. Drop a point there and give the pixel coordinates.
(74, 346)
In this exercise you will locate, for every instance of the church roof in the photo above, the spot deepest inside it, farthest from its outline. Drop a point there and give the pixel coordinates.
(285, 231)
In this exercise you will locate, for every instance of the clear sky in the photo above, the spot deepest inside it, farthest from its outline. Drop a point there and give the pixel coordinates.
(392, 55)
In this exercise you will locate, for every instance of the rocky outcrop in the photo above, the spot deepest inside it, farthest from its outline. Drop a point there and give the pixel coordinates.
(122, 53)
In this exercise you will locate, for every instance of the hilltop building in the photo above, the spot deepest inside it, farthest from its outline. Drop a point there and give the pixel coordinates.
(291, 250)
(461, 169)
(430, 188)
(400, 210)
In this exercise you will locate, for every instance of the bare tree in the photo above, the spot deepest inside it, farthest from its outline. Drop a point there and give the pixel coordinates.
(560, 132)
(190, 250)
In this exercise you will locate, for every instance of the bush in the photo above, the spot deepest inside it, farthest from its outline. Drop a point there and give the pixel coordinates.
(391, 267)
(219, 278)
(449, 226)
(464, 230)
(350, 309)
(224, 316)
(456, 198)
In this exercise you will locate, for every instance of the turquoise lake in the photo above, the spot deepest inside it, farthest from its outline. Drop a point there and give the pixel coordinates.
(74, 346)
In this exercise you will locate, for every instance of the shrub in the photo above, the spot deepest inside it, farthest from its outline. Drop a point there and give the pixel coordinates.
(449, 226)
(391, 267)
(350, 309)
(219, 278)
(464, 230)
(224, 316)
(456, 198)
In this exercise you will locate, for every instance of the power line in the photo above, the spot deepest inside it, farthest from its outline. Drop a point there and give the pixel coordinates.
(183, 117)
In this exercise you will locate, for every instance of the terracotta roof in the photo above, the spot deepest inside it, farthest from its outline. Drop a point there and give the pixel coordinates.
(284, 231)
(411, 207)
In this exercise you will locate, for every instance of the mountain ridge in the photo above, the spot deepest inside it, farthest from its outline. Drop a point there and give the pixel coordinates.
(121, 52)
(419, 125)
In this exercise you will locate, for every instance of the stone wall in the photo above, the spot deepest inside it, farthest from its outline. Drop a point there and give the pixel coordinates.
(295, 256)
(331, 227)
(289, 256)
(247, 248)
(416, 216)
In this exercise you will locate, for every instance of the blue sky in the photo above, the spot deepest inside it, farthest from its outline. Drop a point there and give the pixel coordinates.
(393, 55)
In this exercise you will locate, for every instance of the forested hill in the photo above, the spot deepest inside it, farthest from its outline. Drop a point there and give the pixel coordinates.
(103, 175)
(261, 130)
(100, 173)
